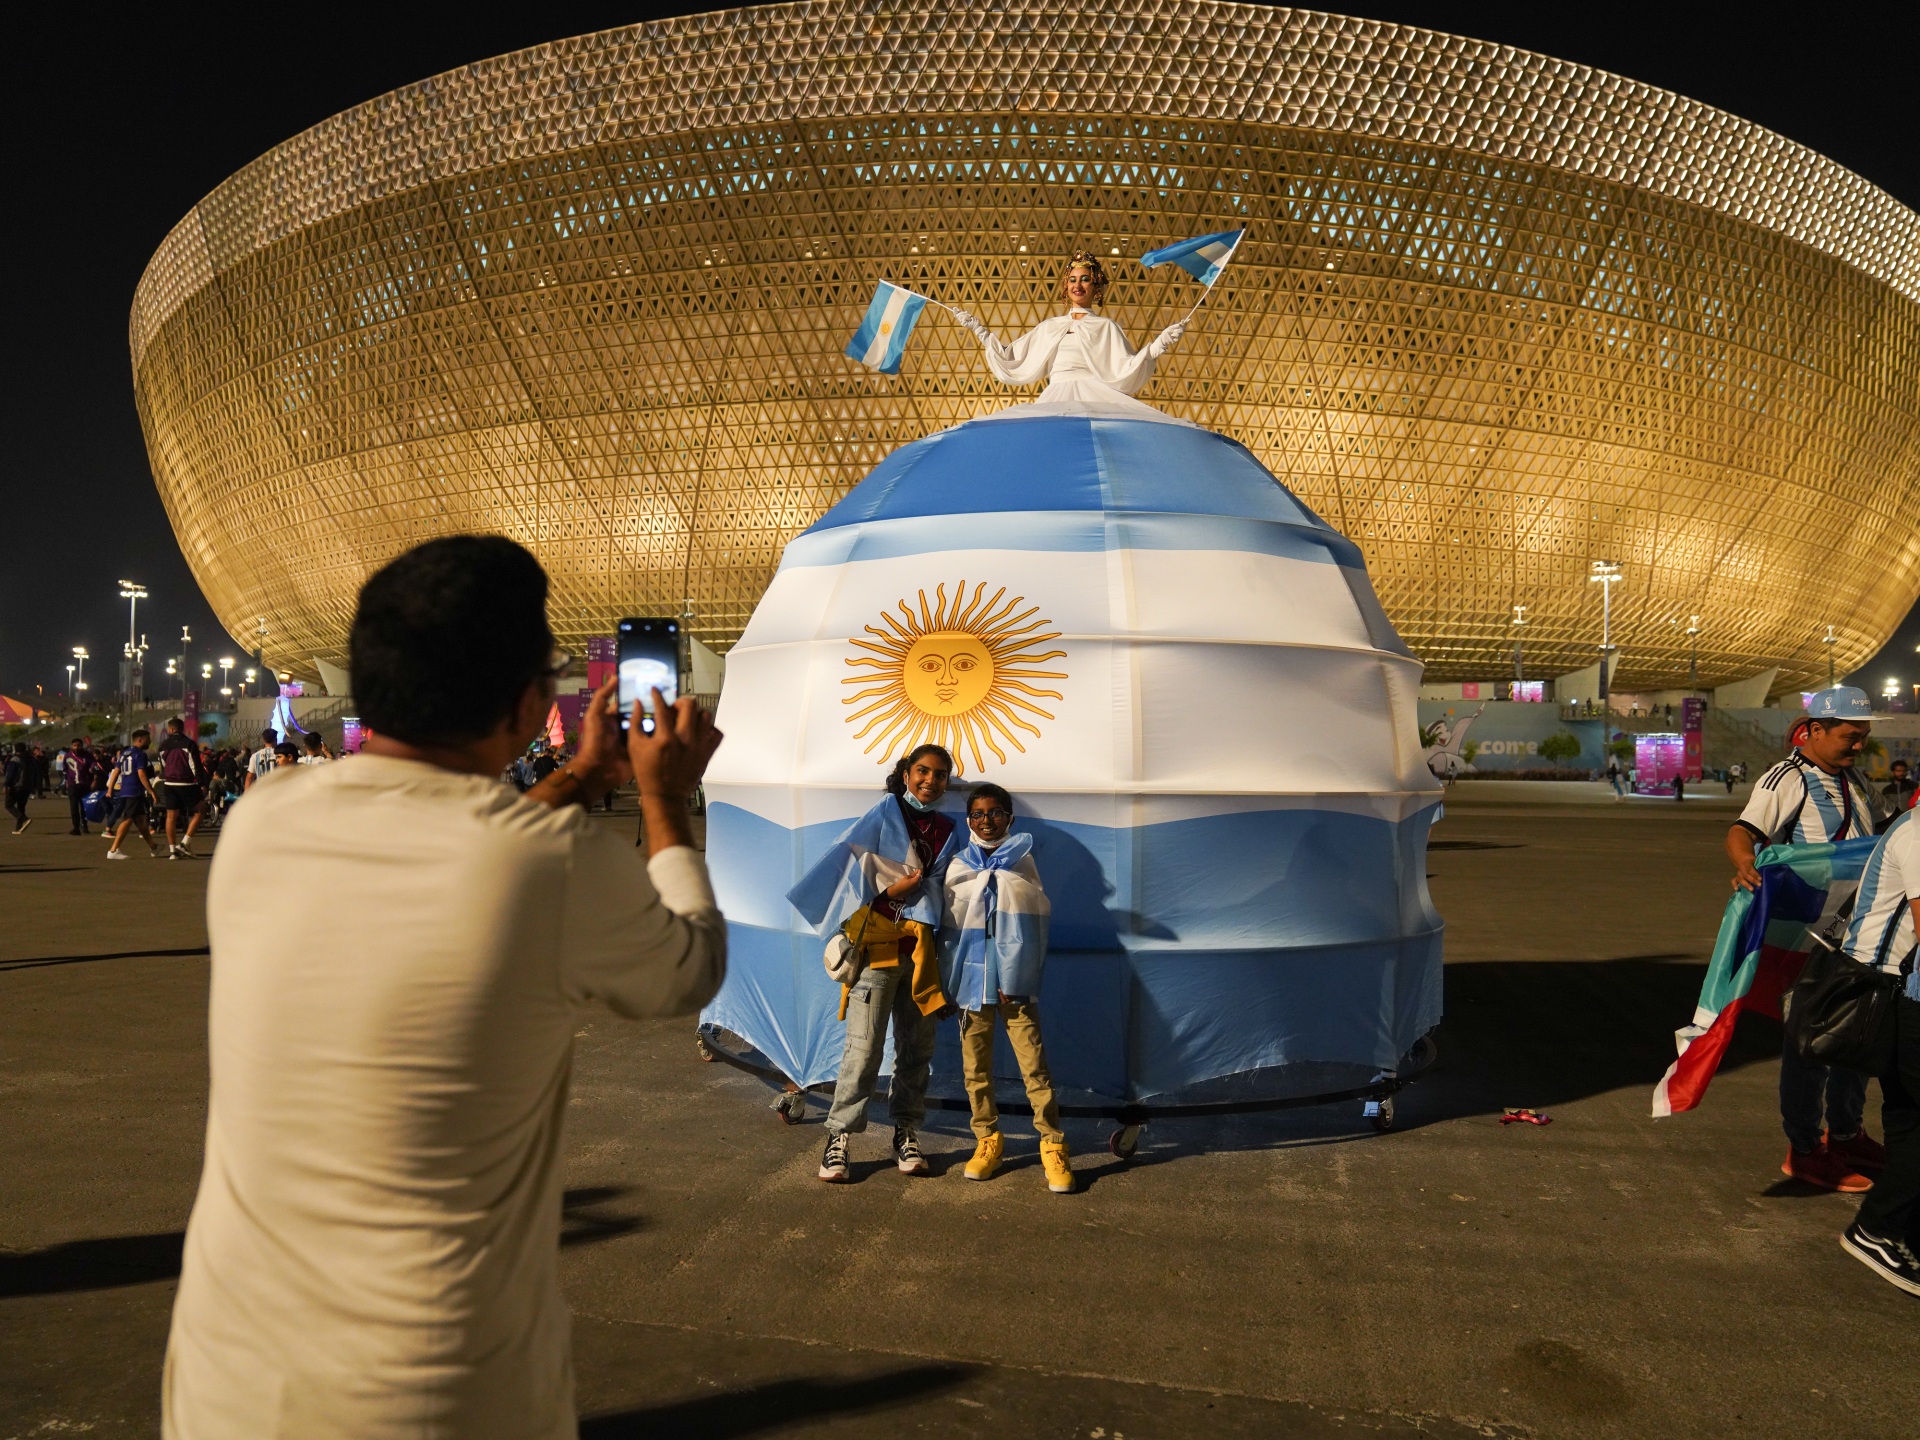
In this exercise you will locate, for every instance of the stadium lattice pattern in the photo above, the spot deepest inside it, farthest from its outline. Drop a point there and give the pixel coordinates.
(1497, 316)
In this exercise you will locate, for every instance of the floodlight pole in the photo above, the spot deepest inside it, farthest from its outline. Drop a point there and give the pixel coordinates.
(1519, 656)
(1605, 574)
(1693, 654)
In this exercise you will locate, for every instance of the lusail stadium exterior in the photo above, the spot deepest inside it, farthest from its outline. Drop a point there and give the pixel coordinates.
(1497, 316)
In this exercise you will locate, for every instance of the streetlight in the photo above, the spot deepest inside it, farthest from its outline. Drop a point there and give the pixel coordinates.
(1605, 574)
(69, 682)
(133, 593)
(251, 675)
(1519, 660)
(1693, 655)
(226, 664)
(186, 637)
(80, 654)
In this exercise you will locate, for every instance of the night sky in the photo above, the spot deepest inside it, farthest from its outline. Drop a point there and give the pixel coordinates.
(123, 120)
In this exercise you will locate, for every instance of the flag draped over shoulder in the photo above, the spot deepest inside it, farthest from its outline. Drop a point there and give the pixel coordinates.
(1763, 942)
(882, 337)
(873, 853)
(993, 936)
(1203, 257)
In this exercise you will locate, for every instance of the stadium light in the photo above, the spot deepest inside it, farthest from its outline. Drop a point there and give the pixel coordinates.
(1605, 574)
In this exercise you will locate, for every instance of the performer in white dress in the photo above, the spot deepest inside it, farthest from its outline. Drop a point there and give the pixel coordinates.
(1084, 357)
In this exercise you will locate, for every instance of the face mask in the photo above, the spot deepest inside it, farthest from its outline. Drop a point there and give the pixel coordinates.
(916, 802)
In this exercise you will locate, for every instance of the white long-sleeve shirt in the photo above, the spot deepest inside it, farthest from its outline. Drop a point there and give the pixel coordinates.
(400, 957)
(1069, 352)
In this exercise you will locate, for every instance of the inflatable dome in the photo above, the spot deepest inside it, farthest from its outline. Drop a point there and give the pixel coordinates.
(1205, 718)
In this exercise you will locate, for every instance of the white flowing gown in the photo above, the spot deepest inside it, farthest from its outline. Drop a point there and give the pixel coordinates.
(1085, 360)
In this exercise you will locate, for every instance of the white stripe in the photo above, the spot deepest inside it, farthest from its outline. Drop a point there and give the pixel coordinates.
(883, 337)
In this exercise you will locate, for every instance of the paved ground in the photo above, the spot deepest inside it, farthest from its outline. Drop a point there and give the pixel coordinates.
(1283, 1276)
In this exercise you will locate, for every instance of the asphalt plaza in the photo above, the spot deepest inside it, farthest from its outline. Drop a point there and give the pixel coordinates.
(1288, 1274)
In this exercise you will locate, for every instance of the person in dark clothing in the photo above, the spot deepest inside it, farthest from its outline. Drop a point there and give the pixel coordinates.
(83, 772)
(18, 783)
(180, 787)
(1899, 789)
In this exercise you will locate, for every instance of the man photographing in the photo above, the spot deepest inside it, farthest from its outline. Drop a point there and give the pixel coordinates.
(373, 1251)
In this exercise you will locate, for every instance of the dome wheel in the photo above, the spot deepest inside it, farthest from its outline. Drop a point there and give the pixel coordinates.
(1380, 1114)
(1124, 1141)
(703, 1049)
(792, 1107)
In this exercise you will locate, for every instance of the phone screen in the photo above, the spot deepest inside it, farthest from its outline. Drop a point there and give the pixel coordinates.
(649, 659)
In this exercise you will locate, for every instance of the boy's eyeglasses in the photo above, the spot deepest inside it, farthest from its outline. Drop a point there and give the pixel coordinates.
(974, 817)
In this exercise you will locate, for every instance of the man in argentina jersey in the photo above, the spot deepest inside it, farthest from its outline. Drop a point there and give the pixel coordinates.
(1886, 912)
(1811, 796)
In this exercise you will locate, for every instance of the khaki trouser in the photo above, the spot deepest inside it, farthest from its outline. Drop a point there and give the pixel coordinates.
(1022, 1019)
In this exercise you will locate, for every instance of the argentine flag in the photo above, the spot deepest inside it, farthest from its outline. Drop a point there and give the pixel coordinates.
(1203, 258)
(882, 337)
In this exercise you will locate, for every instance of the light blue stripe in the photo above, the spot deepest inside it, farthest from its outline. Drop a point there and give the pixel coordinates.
(1068, 532)
(1055, 463)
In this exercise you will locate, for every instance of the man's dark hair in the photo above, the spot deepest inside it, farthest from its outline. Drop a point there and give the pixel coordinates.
(176, 725)
(1898, 765)
(446, 638)
(270, 735)
(288, 749)
(990, 791)
(141, 735)
(313, 740)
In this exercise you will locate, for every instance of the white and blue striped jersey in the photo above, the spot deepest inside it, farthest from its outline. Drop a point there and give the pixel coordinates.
(1882, 931)
(1796, 801)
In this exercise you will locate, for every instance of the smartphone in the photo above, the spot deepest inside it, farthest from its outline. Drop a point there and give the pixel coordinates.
(649, 658)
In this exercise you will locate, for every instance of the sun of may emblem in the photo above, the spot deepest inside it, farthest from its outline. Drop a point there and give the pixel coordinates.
(954, 674)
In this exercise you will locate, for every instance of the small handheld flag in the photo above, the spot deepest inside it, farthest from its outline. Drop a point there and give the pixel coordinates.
(1203, 258)
(882, 337)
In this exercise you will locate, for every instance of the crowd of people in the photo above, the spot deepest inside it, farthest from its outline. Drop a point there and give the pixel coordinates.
(169, 793)
(179, 787)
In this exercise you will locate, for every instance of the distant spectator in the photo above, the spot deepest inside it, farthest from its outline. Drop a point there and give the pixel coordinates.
(314, 749)
(18, 782)
(261, 761)
(82, 777)
(1899, 789)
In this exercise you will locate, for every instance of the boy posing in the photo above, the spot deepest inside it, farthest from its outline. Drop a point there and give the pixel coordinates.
(995, 931)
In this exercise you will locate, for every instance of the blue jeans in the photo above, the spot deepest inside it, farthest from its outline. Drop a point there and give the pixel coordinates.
(1812, 1093)
(880, 995)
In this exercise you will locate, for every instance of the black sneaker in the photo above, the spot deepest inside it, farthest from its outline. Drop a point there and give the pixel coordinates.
(1891, 1260)
(906, 1151)
(833, 1164)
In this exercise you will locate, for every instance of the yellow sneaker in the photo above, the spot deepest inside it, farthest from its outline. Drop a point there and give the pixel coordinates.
(986, 1158)
(1053, 1158)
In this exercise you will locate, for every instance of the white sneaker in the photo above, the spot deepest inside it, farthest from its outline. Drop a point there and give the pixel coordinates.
(118, 855)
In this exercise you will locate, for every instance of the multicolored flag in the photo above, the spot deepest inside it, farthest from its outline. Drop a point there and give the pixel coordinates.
(882, 337)
(1763, 942)
(1203, 258)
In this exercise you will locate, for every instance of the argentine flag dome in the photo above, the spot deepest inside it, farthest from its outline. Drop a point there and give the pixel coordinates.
(1205, 718)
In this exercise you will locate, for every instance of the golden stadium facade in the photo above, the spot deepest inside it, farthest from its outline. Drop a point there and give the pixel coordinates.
(1497, 316)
